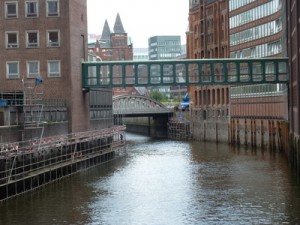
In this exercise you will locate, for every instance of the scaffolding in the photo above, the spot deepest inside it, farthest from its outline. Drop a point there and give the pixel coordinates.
(32, 108)
(27, 165)
(11, 98)
(178, 129)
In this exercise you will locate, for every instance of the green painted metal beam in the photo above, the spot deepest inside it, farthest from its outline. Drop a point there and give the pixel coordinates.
(184, 72)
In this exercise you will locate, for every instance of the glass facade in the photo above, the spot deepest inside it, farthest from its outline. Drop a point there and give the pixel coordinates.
(163, 48)
(261, 90)
(254, 33)
(250, 38)
(259, 51)
(255, 13)
(235, 4)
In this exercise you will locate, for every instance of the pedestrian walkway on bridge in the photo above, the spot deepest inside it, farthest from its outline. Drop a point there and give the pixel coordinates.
(184, 72)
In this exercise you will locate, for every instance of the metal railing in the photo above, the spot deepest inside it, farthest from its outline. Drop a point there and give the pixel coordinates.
(29, 158)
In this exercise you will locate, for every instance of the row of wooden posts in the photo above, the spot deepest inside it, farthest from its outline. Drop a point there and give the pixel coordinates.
(272, 134)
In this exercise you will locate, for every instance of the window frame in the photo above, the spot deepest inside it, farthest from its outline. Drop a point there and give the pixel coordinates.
(51, 74)
(31, 15)
(53, 45)
(32, 44)
(47, 8)
(16, 75)
(11, 45)
(32, 75)
(16, 15)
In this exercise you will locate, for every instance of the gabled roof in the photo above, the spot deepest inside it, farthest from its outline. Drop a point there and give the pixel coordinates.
(118, 28)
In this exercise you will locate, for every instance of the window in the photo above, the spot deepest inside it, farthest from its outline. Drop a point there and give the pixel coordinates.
(12, 39)
(53, 7)
(32, 39)
(12, 70)
(31, 9)
(54, 68)
(53, 38)
(11, 9)
(33, 69)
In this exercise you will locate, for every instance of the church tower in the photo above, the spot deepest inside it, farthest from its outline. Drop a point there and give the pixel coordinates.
(114, 45)
(105, 37)
(118, 28)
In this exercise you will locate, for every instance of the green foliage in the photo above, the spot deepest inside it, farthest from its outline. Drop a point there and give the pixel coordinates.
(178, 99)
(157, 96)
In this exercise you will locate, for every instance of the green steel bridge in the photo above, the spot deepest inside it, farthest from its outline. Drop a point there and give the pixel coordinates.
(184, 72)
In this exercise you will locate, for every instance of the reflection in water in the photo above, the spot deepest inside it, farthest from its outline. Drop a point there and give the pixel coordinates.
(168, 182)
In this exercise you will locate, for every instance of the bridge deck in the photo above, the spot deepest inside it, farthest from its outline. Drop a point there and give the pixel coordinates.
(185, 72)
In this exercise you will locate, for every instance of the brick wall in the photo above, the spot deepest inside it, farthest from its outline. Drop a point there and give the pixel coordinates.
(78, 101)
(72, 26)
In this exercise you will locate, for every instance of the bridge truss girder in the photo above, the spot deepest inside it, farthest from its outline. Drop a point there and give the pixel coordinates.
(134, 105)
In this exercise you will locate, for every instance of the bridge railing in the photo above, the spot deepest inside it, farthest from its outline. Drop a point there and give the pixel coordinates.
(184, 72)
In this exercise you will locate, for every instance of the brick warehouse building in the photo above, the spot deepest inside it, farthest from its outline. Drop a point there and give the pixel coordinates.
(293, 27)
(44, 39)
(273, 34)
(207, 37)
(254, 29)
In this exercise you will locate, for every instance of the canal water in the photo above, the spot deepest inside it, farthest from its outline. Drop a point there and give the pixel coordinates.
(163, 182)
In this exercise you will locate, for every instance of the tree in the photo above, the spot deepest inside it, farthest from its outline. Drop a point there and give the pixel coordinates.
(157, 96)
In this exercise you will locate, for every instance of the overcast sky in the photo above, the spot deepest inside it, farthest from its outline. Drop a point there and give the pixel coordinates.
(141, 18)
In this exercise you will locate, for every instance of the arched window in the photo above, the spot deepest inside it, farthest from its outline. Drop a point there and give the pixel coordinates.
(218, 96)
(196, 98)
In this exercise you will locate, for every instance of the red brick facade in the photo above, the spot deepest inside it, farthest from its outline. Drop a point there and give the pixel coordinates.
(293, 24)
(294, 48)
(114, 47)
(208, 38)
(70, 25)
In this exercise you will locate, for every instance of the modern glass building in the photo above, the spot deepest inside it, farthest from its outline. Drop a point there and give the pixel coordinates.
(140, 54)
(163, 48)
(256, 30)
